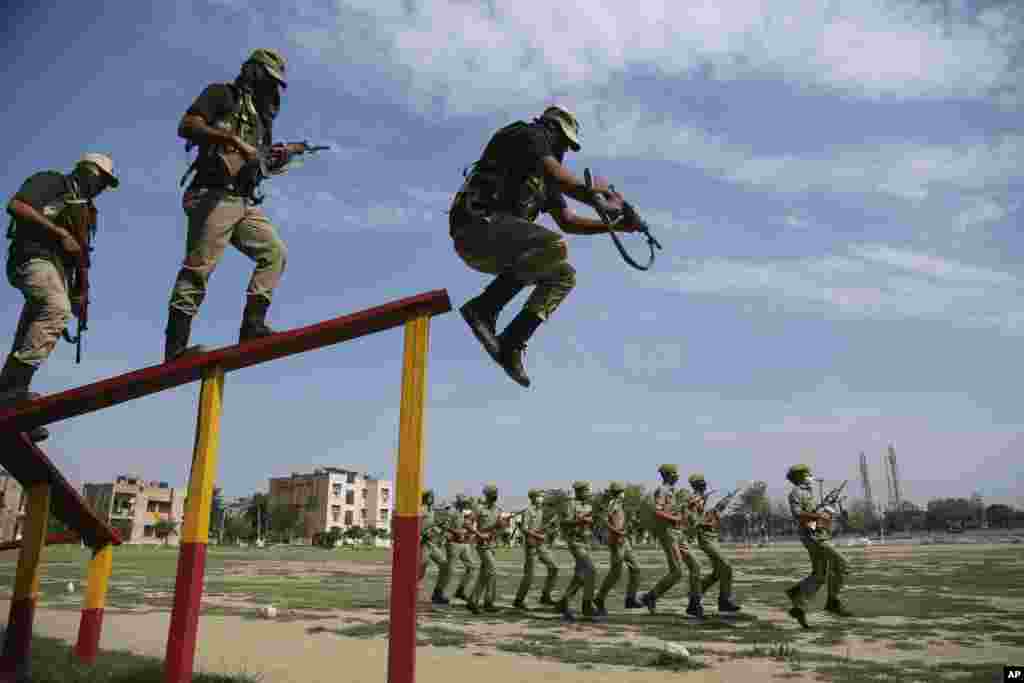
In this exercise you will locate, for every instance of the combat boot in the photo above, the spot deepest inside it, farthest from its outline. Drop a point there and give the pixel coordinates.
(15, 380)
(632, 602)
(481, 312)
(792, 593)
(649, 601)
(491, 607)
(562, 607)
(837, 608)
(546, 599)
(460, 594)
(512, 342)
(801, 616)
(520, 604)
(725, 604)
(438, 598)
(179, 327)
(695, 608)
(590, 613)
(472, 607)
(254, 320)
(599, 608)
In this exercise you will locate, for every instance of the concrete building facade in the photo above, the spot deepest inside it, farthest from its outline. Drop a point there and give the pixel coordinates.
(12, 507)
(134, 506)
(335, 497)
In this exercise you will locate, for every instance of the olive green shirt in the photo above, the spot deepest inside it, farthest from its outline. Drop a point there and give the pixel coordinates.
(802, 500)
(574, 509)
(487, 519)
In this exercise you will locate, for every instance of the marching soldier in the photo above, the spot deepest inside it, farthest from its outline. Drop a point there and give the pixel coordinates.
(668, 532)
(488, 524)
(492, 223)
(827, 565)
(458, 529)
(535, 548)
(41, 254)
(430, 525)
(621, 551)
(577, 524)
(704, 526)
(229, 122)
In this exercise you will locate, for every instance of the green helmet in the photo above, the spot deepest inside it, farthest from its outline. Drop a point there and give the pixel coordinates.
(616, 487)
(581, 485)
(272, 61)
(669, 469)
(533, 493)
(697, 480)
(567, 123)
(428, 493)
(797, 472)
(490, 490)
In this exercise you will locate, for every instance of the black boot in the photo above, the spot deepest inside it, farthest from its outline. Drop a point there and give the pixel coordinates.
(599, 608)
(546, 599)
(695, 608)
(15, 380)
(632, 602)
(725, 604)
(460, 594)
(837, 608)
(562, 607)
(649, 601)
(591, 613)
(513, 343)
(481, 313)
(438, 598)
(254, 319)
(520, 604)
(179, 327)
(472, 607)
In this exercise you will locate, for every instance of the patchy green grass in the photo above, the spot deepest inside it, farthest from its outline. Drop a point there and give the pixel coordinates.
(53, 661)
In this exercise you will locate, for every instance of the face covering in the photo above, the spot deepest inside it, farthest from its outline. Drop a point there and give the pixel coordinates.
(90, 183)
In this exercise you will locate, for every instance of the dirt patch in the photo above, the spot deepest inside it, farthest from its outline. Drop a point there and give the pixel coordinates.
(298, 568)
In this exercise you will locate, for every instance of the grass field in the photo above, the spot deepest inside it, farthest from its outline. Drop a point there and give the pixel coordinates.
(928, 613)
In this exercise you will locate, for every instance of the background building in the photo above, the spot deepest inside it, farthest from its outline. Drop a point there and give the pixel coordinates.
(133, 507)
(335, 497)
(12, 507)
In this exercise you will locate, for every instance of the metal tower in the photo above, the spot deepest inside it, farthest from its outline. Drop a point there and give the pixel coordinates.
(895, 499)
(865, 481)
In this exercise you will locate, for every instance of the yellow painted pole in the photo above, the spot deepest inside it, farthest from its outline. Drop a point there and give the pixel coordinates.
(188, 589)
(91, 625)
(405, 541)
(18, 642)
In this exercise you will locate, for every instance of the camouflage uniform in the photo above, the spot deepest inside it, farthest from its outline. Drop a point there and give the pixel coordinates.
(457, 548)
(827, 565)
(430, 526)
(706, 535)
(673, 544)
(533, 550)
(621, 553)
(577, 537)
(488, 522)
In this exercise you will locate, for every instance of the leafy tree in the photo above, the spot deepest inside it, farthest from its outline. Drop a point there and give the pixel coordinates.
(258, 514)
(354, 533)
(999, 515)
(944, 512)
(217, 513)
(238, 528)
(284, 520)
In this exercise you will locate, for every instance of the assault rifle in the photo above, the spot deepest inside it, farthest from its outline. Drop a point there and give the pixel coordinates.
(79, 217)
(713, 517)
(828, 506)
(618, 211)
(270, 160)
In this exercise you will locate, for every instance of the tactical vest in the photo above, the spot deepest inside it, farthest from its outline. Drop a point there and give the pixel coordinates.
(495, 186)
(29, 246)
(214, 160)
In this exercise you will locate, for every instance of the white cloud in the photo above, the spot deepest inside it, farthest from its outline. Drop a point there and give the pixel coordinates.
(478, 57)
(981, 211)
(870, 281)
(651, 360)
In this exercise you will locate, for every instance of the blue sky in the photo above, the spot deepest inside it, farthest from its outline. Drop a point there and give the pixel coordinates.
(837, 186)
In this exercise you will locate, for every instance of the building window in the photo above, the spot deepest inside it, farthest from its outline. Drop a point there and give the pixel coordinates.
(364, 494)
(348, 518)
(383, 514)
(148, 531)
(385, 494)
(350, 498)
(335, 512)
(351, 477)
(362, 514)
(336, 489)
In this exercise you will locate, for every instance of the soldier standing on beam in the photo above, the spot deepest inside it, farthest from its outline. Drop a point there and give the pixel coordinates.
(41, 253)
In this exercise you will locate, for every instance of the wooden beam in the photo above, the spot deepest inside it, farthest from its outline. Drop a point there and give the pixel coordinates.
(30, 466)
(132, 385)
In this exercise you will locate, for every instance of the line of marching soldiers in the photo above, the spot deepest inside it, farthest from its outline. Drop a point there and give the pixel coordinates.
(446, 537)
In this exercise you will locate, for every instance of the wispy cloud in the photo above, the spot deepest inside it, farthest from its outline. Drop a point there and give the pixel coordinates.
(869, 281)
